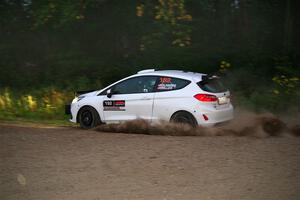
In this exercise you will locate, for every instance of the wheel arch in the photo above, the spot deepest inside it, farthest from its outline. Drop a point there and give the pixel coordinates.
(184, 111)
(86, 106)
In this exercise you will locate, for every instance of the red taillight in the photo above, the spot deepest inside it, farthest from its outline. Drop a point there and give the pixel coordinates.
(205, 117)
(206, 97)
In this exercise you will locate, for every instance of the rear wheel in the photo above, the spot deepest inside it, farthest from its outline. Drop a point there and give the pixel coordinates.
(183, 117)
(88, 118)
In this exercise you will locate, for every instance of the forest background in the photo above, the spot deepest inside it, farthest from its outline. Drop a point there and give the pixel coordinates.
(51, 48)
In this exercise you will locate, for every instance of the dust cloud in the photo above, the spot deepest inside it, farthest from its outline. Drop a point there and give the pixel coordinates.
(245, 123)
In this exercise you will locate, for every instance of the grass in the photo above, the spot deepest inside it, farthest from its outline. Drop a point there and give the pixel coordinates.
(45, 107)
(35, 121)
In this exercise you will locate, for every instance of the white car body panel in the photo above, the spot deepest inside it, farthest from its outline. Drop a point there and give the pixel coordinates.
(161, 105)
(137, 106)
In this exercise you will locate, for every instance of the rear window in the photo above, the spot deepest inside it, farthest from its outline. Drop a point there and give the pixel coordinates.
(169, 83)
(212, 84)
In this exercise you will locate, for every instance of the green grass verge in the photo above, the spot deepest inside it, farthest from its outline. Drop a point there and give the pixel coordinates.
(35, 121)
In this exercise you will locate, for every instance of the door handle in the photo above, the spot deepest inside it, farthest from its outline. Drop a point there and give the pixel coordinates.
(146, 98)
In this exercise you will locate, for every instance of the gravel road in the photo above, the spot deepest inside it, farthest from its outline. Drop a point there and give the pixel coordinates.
(69, 164)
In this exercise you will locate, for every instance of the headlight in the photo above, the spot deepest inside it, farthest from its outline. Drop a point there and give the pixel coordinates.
(76, 99)
(79, 98)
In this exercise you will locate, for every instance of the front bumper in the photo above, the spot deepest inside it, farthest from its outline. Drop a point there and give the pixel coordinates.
(68, 109)
(69, 112)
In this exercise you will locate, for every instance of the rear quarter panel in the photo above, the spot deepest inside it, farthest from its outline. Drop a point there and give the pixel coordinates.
(168, 102)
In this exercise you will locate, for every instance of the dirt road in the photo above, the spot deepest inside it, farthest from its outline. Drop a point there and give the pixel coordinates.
(71, 164)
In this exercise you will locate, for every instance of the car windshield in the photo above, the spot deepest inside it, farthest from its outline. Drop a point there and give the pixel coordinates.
(212, 84)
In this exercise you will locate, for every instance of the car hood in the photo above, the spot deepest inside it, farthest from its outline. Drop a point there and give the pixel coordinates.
(90, 93)
(87, 93)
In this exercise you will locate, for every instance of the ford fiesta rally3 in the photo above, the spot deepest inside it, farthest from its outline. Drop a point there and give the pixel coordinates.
(168, 95)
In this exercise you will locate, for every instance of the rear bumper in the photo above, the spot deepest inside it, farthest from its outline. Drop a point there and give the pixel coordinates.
(215, 116)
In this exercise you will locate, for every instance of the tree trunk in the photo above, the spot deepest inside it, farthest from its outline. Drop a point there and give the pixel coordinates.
(288, 28)
(244, 20)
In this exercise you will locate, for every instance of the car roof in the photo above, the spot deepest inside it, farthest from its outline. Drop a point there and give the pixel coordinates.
(193, 76)
(174, 73)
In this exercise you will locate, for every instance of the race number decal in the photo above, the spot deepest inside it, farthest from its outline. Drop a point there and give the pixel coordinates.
(165, 83)
(165, 80)
(116, 105)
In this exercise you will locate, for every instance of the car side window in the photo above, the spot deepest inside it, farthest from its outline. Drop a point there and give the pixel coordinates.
(169, 83)
(141, 84)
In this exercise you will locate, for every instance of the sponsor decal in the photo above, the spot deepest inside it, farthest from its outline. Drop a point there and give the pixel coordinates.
(165, 83)
(116, 105)
(169, 86)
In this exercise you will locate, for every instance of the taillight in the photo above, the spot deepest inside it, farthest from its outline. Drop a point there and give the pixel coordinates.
(206, 97)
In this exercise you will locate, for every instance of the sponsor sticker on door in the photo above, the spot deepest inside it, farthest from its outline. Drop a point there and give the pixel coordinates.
(115, 105)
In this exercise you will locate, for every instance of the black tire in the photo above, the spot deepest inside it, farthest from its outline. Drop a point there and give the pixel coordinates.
(88, 118)
(183, 117)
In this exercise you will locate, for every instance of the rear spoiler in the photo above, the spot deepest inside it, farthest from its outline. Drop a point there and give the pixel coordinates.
(77, 93)
(208, 77)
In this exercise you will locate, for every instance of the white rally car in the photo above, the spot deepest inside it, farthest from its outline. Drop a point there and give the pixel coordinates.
(169, 95)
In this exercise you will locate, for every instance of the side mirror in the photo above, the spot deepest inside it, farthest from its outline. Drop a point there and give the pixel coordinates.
(109, 93)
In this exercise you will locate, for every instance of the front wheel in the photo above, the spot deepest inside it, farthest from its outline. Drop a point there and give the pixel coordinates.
(88, 118)
(183, 117)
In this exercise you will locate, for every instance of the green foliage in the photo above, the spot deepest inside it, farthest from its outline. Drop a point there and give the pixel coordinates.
(76, 45)
(57, 13)
(254, 91)
(41, 104)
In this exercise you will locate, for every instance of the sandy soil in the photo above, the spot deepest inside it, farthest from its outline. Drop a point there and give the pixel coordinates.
(71, 164)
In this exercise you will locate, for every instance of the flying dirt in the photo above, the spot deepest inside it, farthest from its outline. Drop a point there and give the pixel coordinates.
(244, 124)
